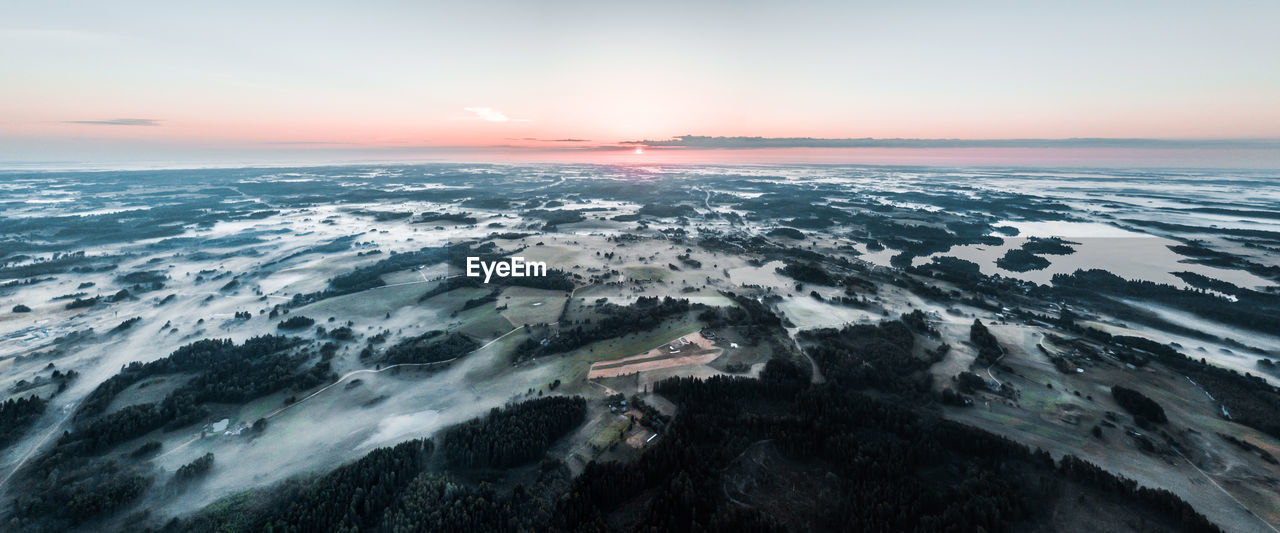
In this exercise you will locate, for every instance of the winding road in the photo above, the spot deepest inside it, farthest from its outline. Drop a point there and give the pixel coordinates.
(375, 371)
(38, 445)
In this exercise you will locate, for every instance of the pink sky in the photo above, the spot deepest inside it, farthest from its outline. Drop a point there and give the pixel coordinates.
(162, 82)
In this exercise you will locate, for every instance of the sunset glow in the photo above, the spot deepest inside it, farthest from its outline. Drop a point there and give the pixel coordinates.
(421, 81)
(578, 265)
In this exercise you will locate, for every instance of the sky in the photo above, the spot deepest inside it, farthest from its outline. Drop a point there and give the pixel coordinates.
(117, 82)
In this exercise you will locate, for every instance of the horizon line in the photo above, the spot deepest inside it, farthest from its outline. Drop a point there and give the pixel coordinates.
(740, 142)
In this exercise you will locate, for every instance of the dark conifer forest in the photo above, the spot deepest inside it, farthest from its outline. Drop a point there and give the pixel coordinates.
(889, 465)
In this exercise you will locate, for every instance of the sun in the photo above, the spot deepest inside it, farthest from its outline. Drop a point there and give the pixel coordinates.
(639, 150)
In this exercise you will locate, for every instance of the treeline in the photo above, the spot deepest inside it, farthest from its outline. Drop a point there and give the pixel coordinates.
(18, 415)
(64, 490)
(807, 273)
(554, 280)
(128, 225)
(555, 217)
(962, 272)
(1049, 246)
(646, 313)
(790, 233)
(81, 303)
(435, 503)
(897, 469)
(295, 323)
(388, 490)
(194, 357)
(352, 497)
(436, 216)
(382, 216)
(1245, 398)
(869, 356)
(1199, 253)
(72, 482)
(430, 347)
(56, 264)
(920, 240)
(1162, 502)
(489, 298)
(989, 350)
(918, 322)
(447, 285)
(1138, 404)
(515, 434)
(226, 373)
(750, 317)
(1021, 260)
(1252, 310)
(1201, 281)
(195, 469)
(144, 280)
(370, 277)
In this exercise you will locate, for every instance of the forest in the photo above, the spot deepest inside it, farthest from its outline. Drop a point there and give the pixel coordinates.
(74, 482)
(989, 350)
(352, 497)
(896, 469)
(1020, 260)
(646, 313)
(17, 415)
(392, 488)
(960, 271)
(807, 273)
(1049, 246)
(869, 356)
(513, 435)
(219, 355)
(225, 373)
(295, 322)
(899, 469)
(195, 469)
(370, 277)
(1252, 310)
(1245, 398)
(1138, 404)
(430, 347)
(452, 218)
(749, 317)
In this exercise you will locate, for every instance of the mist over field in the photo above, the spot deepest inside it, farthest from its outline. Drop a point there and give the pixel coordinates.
(302, 347)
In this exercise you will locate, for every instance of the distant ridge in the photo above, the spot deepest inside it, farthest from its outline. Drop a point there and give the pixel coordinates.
(702, 141)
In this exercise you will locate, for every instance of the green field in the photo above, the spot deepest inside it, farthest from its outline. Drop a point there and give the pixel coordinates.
(610, 433)
(526, 305)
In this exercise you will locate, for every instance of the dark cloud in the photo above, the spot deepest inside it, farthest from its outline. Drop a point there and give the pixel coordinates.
(118, 122)
(699, 141)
